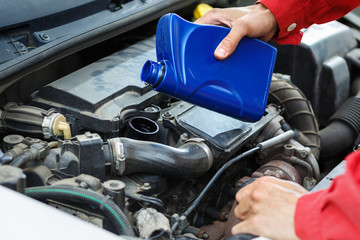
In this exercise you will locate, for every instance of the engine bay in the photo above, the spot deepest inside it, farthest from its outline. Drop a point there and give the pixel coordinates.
(101, 145)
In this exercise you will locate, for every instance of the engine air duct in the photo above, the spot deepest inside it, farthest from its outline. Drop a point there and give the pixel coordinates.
(192, 159)
(298, 112)
(33, 121)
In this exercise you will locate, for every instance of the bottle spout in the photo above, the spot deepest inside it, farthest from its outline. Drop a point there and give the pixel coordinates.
(152, 73)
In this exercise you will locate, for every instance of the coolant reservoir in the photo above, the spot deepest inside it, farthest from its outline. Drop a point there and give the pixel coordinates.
(187, 69)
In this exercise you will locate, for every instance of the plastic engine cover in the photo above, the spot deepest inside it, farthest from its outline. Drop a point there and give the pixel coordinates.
(93, 97)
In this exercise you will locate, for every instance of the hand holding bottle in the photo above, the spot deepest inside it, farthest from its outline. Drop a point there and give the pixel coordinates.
(252, 21)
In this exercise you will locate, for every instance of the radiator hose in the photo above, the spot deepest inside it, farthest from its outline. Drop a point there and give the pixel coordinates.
(93, 199)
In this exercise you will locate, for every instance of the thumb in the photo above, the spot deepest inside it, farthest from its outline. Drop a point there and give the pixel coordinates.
(228, 45)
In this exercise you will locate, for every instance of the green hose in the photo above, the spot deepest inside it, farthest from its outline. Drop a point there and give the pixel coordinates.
(75, 194)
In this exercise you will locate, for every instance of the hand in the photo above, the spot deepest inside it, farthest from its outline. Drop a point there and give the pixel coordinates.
(267, 208)
(252, 21)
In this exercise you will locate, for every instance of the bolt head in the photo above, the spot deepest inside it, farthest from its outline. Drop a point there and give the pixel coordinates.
(303, 154)
(44, 37)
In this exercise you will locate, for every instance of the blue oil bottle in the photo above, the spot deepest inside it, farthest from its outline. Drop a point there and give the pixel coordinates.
(187, 69)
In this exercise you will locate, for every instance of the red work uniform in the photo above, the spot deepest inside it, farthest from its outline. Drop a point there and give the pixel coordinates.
(333, 213)
(294, 15)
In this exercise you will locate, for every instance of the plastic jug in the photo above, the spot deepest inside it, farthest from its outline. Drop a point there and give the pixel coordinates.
(187, 69)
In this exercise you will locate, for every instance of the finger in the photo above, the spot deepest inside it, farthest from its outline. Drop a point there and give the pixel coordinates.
(209, 17)
(242, 211)
(244, 201)
(215, 17)
(250, 194)
(245, 191)
(269, 181)
(283, 183)
(259, 190)
(228, 45)
(206, 19)
(246, 226)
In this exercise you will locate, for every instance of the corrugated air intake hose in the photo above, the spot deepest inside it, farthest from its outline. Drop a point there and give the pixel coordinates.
(94, 199)
(343, 129)
(298, 112)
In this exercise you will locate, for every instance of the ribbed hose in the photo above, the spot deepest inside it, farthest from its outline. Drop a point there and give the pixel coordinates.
(94, 199)
(22, 118)
(297, 112)
(349, 113)
(343, 129)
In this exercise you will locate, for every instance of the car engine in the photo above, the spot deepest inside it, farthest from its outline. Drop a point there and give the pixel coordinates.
(93, 141)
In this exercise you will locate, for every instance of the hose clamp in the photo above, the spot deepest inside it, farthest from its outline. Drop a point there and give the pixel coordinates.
(118, 155)
(201, 143)
(47, 125)
(197, 140)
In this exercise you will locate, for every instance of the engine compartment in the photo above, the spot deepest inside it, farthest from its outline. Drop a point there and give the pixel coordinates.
(99, 144)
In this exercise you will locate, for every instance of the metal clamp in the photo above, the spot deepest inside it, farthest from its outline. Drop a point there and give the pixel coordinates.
(118, 155)
(178, 223)
(47, 125)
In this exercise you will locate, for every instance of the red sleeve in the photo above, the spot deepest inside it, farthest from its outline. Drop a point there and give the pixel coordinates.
(333, 213)
(294, 15)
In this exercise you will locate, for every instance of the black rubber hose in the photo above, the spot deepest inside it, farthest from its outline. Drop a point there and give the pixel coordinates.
(343, 129)
(349, 113)
(21, 160)
(33, 153)
(94, 199)
(6, 158)
(212, 181)
(29, 155)
(22, 118)
(297, 112)
(191, 159)
(241, 236)
(217, 175)
(153, 200)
